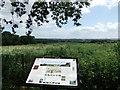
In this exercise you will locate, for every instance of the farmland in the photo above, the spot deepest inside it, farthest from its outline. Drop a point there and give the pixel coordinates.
(98, 62)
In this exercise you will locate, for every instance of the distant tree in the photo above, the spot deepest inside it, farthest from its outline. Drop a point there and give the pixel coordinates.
(27, 40)
(6, 38)
(10, 39)
(58, 10)
(15, 40)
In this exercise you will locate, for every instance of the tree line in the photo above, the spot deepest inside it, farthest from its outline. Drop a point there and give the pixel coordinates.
(13, 39)
(99, 41)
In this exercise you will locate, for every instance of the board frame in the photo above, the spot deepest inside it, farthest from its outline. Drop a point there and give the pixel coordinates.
(54, 86)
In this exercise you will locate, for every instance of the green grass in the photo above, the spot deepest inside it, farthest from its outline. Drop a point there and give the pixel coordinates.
(98, 62)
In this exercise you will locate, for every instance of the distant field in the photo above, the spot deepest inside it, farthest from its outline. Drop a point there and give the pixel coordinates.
(98, 62)
(40, 48)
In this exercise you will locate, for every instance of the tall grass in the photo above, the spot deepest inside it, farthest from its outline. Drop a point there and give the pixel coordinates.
(98, 63)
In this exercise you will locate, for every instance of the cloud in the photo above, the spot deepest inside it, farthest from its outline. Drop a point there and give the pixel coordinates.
(99, 31)
(108, 30)
(85, 10)
(107, 3)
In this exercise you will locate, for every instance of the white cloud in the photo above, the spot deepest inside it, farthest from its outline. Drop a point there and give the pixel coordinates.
(107, 3)
(108, 30)
(85, 10)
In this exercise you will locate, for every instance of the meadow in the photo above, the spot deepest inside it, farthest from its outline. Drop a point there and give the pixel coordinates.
(99, 66)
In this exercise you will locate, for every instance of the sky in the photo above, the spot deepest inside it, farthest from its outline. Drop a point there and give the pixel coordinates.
(99, 21)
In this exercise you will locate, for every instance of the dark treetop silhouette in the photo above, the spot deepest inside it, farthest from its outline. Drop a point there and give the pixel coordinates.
(58, 11)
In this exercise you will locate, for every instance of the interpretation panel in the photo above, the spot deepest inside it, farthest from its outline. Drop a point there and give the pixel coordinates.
(52, 71)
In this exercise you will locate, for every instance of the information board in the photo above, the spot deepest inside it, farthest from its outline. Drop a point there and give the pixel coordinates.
(51, 71)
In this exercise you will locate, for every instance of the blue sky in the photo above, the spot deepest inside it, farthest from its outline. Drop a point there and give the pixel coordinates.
(99, 21)
(100, 14)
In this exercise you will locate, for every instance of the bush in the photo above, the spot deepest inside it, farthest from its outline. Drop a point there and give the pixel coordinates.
(99, 66)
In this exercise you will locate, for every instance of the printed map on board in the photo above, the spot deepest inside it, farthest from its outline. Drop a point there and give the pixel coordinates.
(53, 72)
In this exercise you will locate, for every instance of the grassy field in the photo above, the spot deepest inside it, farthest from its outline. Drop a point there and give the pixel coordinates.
(98, 63)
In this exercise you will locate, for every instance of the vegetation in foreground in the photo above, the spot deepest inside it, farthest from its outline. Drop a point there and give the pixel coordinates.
(98, 63)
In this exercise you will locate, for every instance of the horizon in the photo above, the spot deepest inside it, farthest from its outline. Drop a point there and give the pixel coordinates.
(79, 38)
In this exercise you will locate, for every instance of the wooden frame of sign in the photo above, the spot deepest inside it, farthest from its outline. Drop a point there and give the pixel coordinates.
(54, 72)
